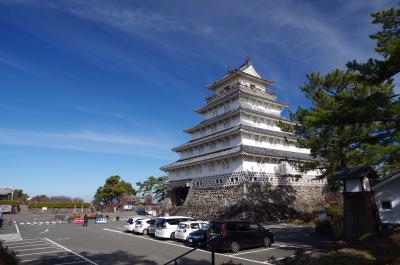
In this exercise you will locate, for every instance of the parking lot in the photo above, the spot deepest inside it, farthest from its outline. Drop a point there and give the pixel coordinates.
(52, 242)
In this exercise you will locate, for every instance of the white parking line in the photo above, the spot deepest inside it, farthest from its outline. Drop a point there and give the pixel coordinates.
(254, 251)
(28, 249)
(76, 254)
(30, 254)
(30, 245)
(279, 245)
(43, 258)
(19, 234)
(25, 241)
(201, 250)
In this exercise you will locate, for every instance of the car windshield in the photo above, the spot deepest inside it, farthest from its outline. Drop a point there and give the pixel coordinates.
(138, 222)
(160, 221)
(216, 228)
(182, 225)
(195, 226)
(204, 225)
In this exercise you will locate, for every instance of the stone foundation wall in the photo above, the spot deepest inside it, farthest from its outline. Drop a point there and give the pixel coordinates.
(260, 201)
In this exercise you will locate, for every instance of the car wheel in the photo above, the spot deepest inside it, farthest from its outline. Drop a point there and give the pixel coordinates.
(267, 242)
(145, 232)
(172, 236)
(235, 247)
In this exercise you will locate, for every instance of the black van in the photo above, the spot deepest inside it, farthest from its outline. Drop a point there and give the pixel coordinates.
(236, 235)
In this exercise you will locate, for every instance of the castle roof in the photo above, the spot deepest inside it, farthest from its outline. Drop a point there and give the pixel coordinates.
(241, 150)
(233, 112)
(247, 69)
(239, 90)
(233, 130)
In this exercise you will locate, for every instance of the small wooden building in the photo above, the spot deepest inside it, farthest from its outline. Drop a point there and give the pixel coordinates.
(359, 208)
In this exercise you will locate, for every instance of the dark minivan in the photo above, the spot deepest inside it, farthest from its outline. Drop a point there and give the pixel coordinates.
(236, 235)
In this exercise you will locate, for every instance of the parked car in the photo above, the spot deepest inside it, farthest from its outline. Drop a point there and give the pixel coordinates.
(140, 211)
(185, 228)
(166, 226)
(130, 223)
(142, 226)
(197, 237)
(152, 226)
(148, 211)
(236, 235)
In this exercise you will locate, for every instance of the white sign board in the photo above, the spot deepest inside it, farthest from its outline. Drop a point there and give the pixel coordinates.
(5, 208)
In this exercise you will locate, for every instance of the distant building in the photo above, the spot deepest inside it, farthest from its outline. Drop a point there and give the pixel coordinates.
(239, 141)
(6, 193)
(387, 196)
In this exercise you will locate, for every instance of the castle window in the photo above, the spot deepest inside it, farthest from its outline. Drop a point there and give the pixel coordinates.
(232, 179)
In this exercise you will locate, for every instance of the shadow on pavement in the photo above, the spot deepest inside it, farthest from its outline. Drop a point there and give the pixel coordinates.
(117, 258)
(302, 236)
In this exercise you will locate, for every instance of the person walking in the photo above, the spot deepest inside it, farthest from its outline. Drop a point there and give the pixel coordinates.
(85, 220)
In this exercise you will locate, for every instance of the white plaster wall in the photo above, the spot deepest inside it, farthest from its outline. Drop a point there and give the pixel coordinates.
(389, 192)
(212, 146)
(203, 170)
(217, 127)
(256, 121)
(260, 105)
(221, 108)
(258, 85)
(271, 142)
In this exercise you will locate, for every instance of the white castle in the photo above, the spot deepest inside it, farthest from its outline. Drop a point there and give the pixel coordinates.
(239, 140)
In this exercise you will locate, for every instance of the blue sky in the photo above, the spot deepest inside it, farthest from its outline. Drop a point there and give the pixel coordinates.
(90, 89)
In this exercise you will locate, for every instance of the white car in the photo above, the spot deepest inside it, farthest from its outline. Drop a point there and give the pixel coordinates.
(130, 224)
(142, 226)
(185, 228)
(166, 226)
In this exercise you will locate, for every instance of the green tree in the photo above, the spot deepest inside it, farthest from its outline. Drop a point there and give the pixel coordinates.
(387, 44)
(350, 123)
(354, 118)
(155, 186)
(20, 196)
(113, 189)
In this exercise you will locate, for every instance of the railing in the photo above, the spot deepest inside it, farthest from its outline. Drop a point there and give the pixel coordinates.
(175, 260)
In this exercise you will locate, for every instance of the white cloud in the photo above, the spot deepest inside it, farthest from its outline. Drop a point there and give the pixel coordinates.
(91, 141)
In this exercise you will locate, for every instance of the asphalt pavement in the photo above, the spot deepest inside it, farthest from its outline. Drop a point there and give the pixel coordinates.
(46, 241)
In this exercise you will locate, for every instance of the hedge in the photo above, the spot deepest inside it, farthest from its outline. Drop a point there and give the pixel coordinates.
(10, 202)
(59, 204)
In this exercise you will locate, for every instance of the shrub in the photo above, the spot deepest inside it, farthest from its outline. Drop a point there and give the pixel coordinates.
(59, 204)
(10, 202)
(7, 256)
